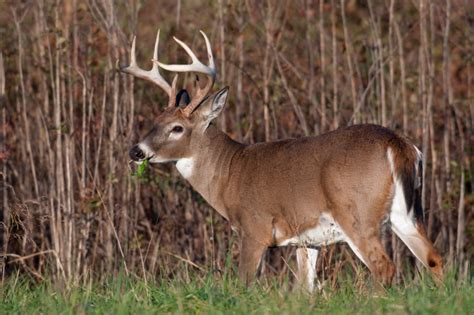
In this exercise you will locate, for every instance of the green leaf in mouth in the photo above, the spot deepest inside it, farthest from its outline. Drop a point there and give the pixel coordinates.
(141, 169)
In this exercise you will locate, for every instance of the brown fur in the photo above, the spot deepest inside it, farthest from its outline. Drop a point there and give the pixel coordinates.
(286, 185)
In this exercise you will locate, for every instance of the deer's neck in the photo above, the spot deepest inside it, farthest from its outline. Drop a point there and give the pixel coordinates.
(208, 169)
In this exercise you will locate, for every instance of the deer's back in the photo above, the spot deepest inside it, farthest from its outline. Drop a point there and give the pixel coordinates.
(336, 171)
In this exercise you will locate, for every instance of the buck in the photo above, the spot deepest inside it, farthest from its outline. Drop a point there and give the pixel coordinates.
(306, 192)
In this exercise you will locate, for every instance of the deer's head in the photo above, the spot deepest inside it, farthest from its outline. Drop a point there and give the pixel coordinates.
(180, 127)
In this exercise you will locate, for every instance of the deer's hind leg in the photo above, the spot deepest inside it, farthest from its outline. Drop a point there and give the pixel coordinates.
(362, 233)
(369, 249)
(359, 199)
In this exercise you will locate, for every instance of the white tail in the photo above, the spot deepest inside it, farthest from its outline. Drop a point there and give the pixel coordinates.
(306, 192)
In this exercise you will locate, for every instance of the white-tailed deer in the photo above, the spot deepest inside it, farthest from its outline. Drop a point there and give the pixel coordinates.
(305, 192)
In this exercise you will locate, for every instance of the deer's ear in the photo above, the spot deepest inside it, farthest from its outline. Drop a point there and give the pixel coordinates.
(212, 107)
(182, 99)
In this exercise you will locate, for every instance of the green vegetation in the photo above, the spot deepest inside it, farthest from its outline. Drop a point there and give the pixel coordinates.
(141, 169)
(214, 294)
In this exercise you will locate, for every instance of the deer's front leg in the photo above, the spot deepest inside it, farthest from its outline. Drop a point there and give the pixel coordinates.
(306, 259)
(251, 252)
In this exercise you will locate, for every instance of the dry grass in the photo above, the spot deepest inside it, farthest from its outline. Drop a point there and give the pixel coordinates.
(71, 209)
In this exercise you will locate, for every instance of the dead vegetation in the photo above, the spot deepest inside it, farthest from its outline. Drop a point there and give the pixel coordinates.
(72, 210)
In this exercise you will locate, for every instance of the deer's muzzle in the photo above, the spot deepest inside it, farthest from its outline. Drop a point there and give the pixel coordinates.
(136, 153)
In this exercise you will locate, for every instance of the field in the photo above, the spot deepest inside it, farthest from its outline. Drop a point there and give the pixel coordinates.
(213, 294)
(83, 231)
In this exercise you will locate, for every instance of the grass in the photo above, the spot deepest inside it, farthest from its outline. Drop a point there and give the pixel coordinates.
(224, 295)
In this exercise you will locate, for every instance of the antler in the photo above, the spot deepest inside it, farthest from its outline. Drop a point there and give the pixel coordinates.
(195, 66)
(152, 75)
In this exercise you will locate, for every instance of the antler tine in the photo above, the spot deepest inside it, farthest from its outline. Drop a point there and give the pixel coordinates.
(209, 52)
(152, 75)
(195, 66)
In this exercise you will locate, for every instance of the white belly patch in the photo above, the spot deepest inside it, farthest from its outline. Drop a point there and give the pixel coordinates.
(326, 232)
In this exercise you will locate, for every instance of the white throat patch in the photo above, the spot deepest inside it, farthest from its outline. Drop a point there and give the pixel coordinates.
(185, 167)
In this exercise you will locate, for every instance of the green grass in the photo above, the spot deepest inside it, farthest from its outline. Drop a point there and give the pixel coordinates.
(220, 295)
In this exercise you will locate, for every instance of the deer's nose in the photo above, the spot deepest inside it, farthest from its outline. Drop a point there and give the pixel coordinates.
(136, 153)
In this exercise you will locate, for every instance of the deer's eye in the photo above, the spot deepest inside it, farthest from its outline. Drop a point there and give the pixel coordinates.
(177, 129)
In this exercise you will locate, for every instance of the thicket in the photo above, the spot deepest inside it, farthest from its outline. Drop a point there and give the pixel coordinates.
(71, 207)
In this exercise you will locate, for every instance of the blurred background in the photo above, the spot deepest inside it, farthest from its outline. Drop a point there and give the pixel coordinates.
(73, 210)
